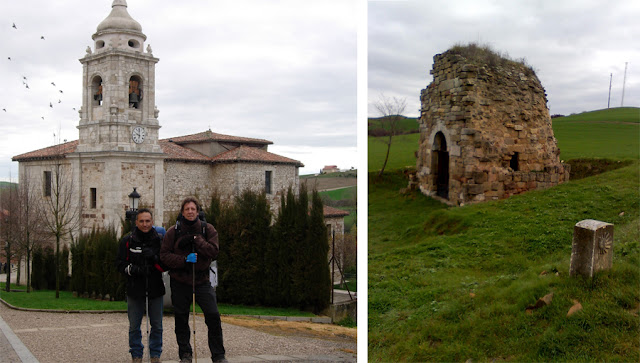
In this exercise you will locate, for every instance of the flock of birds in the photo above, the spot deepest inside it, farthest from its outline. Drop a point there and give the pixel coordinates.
(25, 80)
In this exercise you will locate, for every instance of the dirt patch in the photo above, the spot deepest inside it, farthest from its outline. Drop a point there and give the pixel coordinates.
(295, 328)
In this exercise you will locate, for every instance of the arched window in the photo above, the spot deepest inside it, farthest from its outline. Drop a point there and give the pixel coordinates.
(96, 90)
(135, 91)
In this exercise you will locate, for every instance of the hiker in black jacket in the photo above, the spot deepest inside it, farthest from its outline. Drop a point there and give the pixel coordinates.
(138, 259)
(188, 249)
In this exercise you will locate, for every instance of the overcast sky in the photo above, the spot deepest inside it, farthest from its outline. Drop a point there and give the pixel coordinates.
(574, 46)
(284, 71)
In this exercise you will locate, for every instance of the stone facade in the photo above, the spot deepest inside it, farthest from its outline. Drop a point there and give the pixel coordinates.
(485, 132)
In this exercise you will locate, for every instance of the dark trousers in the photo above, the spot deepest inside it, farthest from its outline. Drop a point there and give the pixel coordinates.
(181, 298)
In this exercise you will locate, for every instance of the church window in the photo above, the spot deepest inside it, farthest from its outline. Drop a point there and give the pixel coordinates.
(47, 184)
(100, 44)
(135, 92)
(514, 162)
(267, 181)
(94, 198)
(133, 43)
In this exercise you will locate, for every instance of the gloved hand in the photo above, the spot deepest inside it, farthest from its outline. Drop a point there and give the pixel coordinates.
(135, 270)
(191, 258)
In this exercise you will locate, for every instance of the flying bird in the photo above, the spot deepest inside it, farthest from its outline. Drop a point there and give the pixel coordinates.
(42, 37)
(50, 105)
(53, 84)
(24, 77)
(26, 85)
(61, 91)
(14, 26)
(42, 117)
(9, 58)
(59, 101)
(74, 108)
(4, 109)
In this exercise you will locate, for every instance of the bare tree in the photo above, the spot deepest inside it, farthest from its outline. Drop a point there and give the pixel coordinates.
(390, 110)
(28, 213)
(8, 205)
(61, 215)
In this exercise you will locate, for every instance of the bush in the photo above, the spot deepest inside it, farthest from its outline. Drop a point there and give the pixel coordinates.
(93, 265)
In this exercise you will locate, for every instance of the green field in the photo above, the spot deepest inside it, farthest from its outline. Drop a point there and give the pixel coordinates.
(453, 283)
(587, 135)
(349, 193)
(620, 114)
(401, 155)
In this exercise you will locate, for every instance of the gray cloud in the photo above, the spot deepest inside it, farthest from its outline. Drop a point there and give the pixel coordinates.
(279, 70)
(573, 45)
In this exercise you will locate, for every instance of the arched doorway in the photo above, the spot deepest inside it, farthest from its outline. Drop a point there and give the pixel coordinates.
(440, 165)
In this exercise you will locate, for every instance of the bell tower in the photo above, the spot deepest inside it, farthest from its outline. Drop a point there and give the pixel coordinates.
(118, 148)
(118, 99)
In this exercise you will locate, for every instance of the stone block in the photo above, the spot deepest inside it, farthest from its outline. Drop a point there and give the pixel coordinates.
(592, 247)
(475, 189)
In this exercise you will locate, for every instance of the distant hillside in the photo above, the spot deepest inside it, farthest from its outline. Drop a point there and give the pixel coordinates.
(330, 180)
(618, 114)
(408, 125)
(4, 185)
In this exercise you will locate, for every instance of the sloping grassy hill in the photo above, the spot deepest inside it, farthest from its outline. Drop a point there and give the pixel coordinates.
(452, 284)
(619, 114)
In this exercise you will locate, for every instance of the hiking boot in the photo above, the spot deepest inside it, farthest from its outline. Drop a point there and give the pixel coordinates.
(136, 359)
(155, 359)
(186, 359)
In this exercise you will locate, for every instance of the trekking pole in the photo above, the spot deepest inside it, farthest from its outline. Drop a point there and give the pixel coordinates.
(146, 290)
(193, 288)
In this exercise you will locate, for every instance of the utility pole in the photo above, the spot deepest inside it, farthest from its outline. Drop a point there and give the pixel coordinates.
(609, 100)
(624, 80)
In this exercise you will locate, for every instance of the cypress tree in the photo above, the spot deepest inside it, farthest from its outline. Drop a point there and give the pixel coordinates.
(319, 279)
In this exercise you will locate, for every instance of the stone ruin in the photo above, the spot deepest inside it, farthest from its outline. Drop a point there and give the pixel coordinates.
(485, 130)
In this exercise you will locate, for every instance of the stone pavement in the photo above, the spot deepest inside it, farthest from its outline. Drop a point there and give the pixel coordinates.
(13, 350)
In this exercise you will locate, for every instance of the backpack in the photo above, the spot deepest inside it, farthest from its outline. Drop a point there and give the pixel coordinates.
(203, 224)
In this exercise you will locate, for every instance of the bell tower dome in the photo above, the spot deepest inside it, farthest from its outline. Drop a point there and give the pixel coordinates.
(118, 99)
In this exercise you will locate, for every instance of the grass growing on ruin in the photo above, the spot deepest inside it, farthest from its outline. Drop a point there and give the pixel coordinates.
(458, 290)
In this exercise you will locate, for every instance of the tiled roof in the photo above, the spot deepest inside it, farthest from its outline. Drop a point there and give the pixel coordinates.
(51, 152)
(333, 212)
(252, 154)
(212, 136)
(177, 152)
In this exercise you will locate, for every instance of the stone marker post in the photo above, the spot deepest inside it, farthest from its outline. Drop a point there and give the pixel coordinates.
(592, 248)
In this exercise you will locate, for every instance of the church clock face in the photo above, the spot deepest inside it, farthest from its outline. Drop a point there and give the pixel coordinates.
(138, 134)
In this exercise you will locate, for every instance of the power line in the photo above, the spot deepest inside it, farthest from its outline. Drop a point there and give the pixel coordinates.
(624, 81)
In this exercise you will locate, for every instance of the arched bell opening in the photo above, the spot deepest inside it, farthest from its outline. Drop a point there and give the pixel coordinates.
(440, 165)
(96, 90)
(135, 91)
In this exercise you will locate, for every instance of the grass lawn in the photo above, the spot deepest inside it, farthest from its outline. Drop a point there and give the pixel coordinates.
(453, 283)
(45, 299)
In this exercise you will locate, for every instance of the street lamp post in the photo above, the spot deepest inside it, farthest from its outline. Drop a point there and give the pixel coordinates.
(134, 199)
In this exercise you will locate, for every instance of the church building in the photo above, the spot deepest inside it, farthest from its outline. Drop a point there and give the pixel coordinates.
(119, 148)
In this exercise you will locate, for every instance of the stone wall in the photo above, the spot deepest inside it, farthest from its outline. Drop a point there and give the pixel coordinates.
(227, 180)
(485, 132)
(186, 180)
